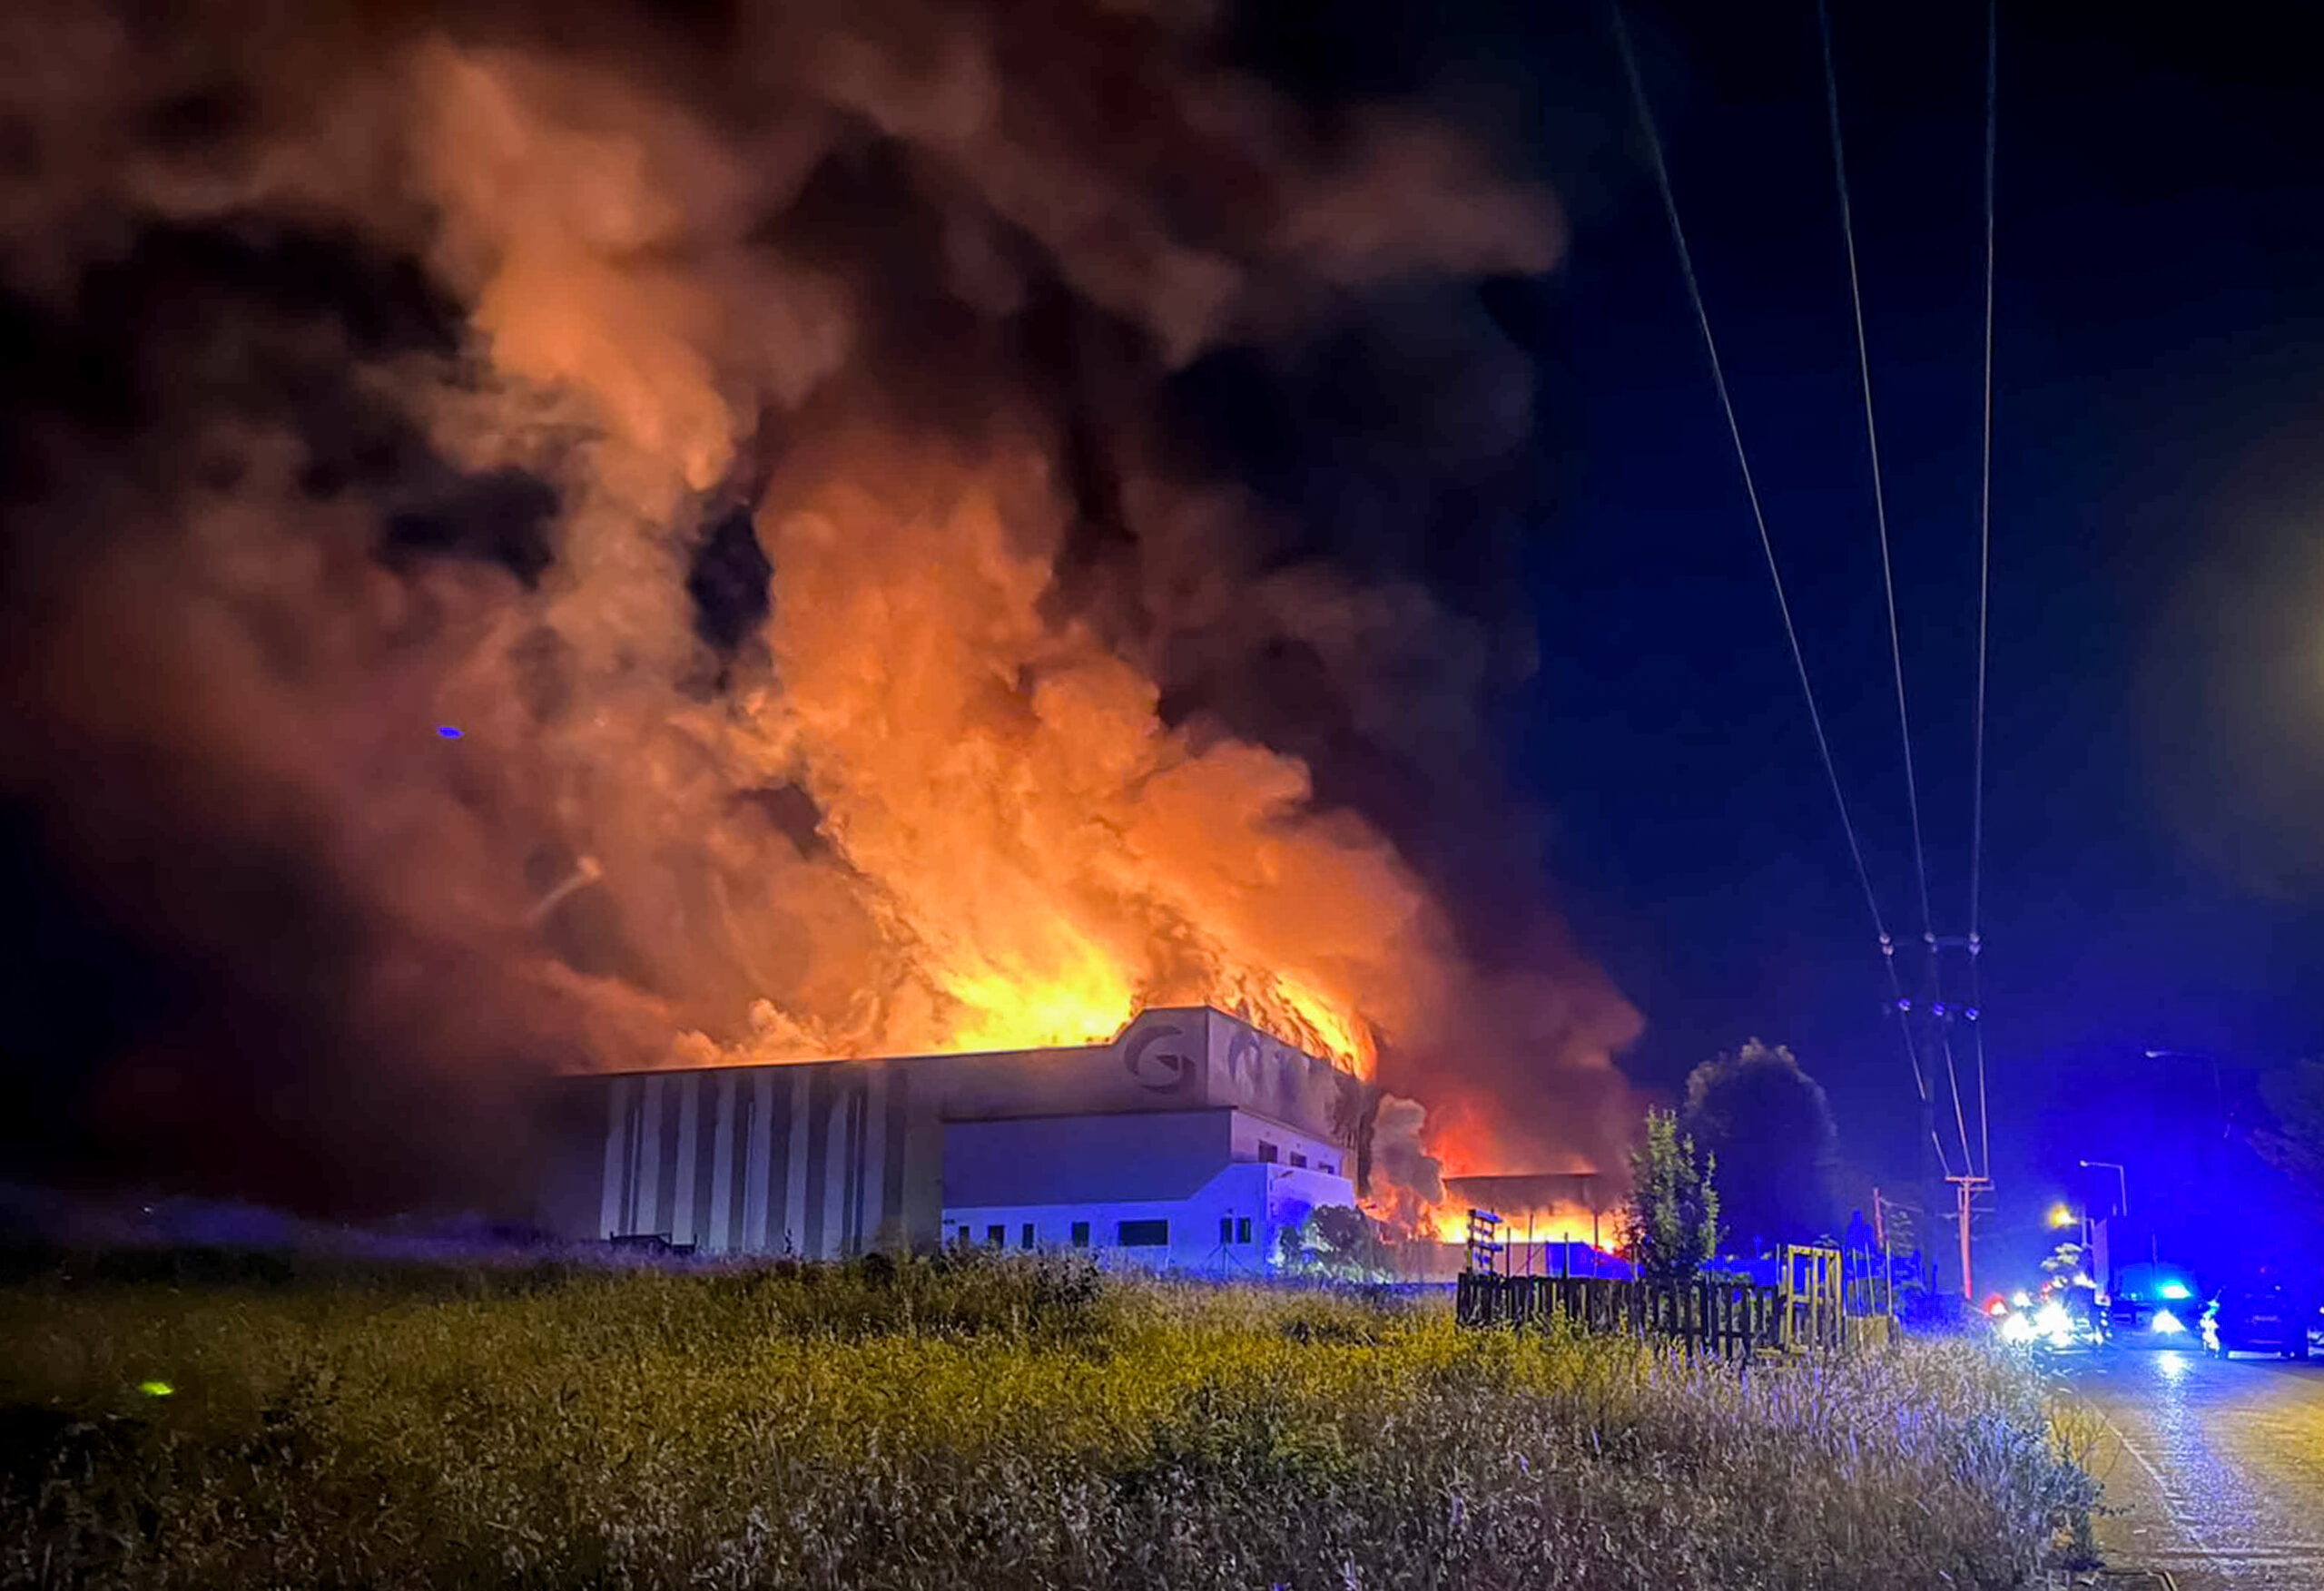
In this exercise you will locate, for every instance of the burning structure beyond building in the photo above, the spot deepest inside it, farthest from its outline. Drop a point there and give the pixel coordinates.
(808, 453)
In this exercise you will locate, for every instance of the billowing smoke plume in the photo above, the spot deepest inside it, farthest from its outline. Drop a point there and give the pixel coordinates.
(536, 539)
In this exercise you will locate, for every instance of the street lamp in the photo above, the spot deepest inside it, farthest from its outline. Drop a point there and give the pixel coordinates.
(2121, 1205)
(2121, 1181)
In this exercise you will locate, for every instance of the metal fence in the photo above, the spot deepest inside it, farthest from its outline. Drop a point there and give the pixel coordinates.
(1818, 1305)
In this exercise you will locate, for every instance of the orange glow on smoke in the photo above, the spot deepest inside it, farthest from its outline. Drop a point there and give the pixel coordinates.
(1037, 855)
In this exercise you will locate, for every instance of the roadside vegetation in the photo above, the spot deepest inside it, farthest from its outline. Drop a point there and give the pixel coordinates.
(924, 1425)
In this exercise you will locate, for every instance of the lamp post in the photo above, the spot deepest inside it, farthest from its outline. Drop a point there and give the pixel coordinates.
(2122, 1204)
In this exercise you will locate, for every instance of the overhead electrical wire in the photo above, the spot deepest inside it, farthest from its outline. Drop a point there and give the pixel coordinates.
(1984, 590)
(1888, 579)
(1766, 544)
(1872, 442)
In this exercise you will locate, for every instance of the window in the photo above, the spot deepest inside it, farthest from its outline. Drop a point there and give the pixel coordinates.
(1327, 1168)
(1242, 1229)
(995, 1236)
(1266, 1152)
(1025, 1238)
(1080, 1234)
(1297, 1158)
(1226, 1228)
(1144, 1234)
(966, 1238)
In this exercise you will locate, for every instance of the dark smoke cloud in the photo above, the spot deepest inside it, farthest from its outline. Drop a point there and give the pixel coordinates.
(371, 368)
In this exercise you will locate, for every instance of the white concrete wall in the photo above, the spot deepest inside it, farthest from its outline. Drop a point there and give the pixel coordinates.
(1270, 1197)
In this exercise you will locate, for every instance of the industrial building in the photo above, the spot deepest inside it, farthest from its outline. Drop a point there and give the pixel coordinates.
(1187, 1142)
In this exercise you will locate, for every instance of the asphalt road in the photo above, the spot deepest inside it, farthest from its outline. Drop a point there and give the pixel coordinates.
(2217, 1468)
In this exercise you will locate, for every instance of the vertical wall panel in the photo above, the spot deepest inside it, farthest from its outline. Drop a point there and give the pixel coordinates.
(702, 1161)
(836, 1183)
(649, 1163)
(794, 1205)
(777, 1161)
(609, 1210)
(720, 1235)
(682, 1182)
(872, 1183)
(894, 1155)
(761, 1119)
(665, 1187)
(750, 1113)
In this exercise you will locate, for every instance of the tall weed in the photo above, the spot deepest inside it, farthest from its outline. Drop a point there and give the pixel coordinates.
(923, 1426)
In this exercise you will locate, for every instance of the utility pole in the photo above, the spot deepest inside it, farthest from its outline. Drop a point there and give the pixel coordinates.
(1932, 1184)
(1887, 1259)
(1966, 1188)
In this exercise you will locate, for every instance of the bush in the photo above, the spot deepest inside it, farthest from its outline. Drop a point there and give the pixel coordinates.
(968, 1422)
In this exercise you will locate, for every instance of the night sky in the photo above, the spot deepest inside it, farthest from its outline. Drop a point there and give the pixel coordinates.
(2157, 666)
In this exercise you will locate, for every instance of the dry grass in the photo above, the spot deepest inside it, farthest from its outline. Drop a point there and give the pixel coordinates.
(985, 1425)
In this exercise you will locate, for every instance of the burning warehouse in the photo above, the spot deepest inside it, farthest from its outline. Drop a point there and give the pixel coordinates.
(1188, 1142)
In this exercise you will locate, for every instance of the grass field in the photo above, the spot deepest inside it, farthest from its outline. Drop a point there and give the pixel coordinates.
(993, 1424)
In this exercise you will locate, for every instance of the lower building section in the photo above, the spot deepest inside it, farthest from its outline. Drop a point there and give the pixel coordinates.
(1184, 1192)
(1229, 1226)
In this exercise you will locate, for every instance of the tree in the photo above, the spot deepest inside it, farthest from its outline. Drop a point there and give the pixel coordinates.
(1672, 1212)
(1339, 1241)
(2067, 1261)
(1771, 1127)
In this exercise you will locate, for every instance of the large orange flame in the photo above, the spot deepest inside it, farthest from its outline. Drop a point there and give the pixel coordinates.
(1552, 1223)
(1030, 855)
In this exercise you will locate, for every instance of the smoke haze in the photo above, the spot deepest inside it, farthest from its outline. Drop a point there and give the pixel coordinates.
(849, 475)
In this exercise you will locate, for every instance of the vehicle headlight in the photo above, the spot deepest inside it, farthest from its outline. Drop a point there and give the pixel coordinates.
(2166, 1324)
(2016, 1329)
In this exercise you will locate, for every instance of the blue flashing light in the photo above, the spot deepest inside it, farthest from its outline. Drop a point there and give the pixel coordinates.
(2174, 1290)
(1904, 1005)
(448, 732)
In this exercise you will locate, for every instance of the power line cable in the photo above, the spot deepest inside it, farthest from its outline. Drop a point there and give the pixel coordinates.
(1766, 547)
(1985, 588)
(1887, 567)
